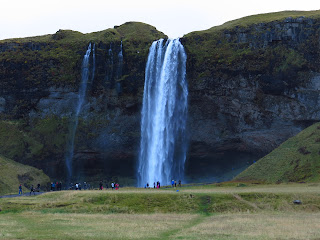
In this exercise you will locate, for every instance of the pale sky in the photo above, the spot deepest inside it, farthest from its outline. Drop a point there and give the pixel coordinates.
(25, 18)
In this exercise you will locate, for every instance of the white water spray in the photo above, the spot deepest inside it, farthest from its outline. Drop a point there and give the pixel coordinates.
(164, 114)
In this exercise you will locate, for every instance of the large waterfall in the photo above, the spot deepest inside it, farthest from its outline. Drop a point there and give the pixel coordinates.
(164, 113)
(85, 72)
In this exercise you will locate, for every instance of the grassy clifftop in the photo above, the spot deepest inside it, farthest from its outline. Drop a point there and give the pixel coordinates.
(13, 173)
(128, 30)
(56, 58)
(261, 18)
(256, 44)
(296, 160)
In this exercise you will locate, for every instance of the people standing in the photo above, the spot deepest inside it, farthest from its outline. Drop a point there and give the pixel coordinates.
(179, 183)
(154, 184)
(172, 182)
(32, 190)
(100, 185)
(112, 185)
(20, 189)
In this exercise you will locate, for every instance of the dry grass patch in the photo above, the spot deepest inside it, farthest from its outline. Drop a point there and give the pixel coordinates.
(34, 225)
(256, 226)
(310, 188)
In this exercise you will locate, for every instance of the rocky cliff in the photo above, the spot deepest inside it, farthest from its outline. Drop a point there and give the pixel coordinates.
(40, 80)
(253, 83)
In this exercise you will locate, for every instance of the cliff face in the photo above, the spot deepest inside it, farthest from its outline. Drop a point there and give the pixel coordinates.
(40, 80)
(251, 87)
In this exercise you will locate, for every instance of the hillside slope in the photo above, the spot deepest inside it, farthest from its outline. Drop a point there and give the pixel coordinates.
(296, 160)
(13, 173)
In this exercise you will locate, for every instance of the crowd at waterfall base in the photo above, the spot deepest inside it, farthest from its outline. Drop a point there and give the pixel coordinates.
(158, 184)
(58, 186)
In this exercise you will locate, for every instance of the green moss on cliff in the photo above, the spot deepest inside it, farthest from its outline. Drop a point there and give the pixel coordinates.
(15, 143)
(56, 59)
(34, 142)
(295, 160)
(246, 45)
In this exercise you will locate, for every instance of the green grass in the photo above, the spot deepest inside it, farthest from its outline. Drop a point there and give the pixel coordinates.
(187, 200)
(296, 160)
(212, 212)
(13, 173)
(264, 18)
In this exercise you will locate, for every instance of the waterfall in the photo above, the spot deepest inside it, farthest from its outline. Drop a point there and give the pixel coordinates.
(164, 114)
(119, 69)
(110, 64)
(93, 62)
(81, 98)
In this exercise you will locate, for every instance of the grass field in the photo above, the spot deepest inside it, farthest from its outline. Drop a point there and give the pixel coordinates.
(218, 211)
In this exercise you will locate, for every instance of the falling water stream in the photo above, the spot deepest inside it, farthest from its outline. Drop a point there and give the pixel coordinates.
(85, 72)
(164, 114)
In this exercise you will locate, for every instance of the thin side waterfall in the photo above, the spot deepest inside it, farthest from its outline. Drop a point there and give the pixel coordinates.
(110, 64)
(93, 62)
(119, 69)
(164, 114)
(81, 98)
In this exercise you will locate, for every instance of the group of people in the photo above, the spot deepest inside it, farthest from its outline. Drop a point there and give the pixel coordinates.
(78, 186)
(113, 185)
(173, 183)
(32, 189)
(56, 186)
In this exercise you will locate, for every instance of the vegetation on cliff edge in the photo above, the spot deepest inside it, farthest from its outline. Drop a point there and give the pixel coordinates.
(246, 46)
(296, 160)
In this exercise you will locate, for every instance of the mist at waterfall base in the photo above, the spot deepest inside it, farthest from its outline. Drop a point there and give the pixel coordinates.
(164, 115)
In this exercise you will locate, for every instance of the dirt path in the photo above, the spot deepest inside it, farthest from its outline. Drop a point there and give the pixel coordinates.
(24, 195)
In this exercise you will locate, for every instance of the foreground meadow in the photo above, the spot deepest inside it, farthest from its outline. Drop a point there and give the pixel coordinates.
(203, 212)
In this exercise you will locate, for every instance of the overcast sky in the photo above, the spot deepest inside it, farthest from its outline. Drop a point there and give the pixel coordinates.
(22, 18)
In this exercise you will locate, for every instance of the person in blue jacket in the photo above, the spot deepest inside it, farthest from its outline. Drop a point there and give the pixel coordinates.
(20, 190)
